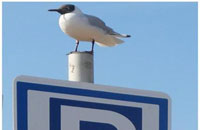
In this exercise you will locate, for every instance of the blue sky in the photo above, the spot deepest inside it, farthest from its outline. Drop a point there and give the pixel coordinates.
(161, 55)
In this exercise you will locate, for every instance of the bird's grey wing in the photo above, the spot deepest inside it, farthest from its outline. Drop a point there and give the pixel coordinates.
(97, 22)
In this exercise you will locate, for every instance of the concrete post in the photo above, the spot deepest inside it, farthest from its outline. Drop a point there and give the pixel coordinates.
(81, 67)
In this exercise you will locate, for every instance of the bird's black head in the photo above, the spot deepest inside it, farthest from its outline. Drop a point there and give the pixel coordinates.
(64, 9)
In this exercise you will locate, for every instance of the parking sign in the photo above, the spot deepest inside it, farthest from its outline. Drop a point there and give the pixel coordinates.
(47, 104)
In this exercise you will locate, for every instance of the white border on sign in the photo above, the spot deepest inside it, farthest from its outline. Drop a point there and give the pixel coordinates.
(91, 86)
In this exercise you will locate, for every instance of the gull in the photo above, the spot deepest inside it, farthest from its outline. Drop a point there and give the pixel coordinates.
(84, 27)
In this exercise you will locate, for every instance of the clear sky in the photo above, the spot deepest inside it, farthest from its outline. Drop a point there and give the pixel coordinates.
(161, 55)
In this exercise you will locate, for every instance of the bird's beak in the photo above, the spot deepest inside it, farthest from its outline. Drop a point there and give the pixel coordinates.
(56, 10)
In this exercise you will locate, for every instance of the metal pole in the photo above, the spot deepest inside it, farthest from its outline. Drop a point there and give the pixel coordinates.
(81, 67)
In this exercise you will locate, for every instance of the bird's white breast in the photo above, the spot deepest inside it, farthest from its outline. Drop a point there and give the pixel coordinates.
(76, 26)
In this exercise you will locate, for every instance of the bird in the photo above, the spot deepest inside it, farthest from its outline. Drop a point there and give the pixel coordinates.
(84, 27)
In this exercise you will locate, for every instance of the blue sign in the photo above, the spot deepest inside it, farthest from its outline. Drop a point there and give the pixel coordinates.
(45, 104)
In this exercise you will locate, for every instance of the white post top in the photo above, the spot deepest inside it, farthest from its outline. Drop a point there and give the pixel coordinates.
(81, 67)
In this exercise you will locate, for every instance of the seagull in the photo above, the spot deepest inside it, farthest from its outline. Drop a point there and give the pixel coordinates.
(84, 27)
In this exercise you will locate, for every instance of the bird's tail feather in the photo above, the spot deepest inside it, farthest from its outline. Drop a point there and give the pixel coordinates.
(122, 35)
(109, 41)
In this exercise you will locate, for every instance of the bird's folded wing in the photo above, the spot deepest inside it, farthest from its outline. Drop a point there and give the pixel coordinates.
(97, 22)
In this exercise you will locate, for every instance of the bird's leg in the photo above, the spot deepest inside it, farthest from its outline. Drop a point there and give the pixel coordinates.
(93, 41)
(77, 43)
